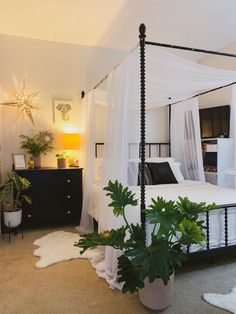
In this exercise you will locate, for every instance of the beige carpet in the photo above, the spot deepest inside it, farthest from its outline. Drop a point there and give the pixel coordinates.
(72, 287)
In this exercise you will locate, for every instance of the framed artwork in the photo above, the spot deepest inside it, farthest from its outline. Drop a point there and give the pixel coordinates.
(19, 161)
(63, 110)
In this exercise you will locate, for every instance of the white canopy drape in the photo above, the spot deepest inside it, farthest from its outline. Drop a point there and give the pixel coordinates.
(186, 140)
(169, 78)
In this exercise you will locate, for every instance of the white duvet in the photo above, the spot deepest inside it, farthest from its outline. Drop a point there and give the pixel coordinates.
(197, 192)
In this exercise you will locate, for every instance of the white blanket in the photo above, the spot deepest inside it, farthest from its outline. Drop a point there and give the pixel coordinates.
(197, 192)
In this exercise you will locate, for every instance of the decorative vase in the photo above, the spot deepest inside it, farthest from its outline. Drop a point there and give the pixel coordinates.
(37, 161)
(12, 219)
(61, 162)
(155, 295)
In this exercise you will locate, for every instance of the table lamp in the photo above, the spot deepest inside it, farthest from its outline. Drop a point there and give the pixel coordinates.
(71, 141)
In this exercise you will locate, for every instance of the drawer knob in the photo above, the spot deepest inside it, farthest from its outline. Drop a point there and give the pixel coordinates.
(29, 215)
(68, 212)
(68, 180)
(68, 196)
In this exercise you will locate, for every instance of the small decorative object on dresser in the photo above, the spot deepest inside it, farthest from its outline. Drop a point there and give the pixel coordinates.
(19, 161)
(12, 196)
(40, 143)
(147, 263)
(62, 160)
(56, 196)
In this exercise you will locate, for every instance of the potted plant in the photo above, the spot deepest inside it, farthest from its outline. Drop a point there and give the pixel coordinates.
(148, 267)
(36, 147)
(61, 160)
(12, 195)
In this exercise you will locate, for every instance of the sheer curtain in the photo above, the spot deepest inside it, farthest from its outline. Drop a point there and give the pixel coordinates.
(233, 126)
(88, 138)
(186, 139)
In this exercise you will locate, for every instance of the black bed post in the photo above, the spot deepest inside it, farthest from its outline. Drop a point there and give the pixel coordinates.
(169, 121)
(142, 36)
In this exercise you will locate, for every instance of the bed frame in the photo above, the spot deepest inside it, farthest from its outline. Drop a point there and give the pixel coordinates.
(148, 147)
(208, 252)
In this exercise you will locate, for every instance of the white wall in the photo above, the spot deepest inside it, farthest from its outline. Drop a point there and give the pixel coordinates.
(156, 127)
(57, 70)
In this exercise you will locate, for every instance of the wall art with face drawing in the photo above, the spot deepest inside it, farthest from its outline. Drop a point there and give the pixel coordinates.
(62, 110)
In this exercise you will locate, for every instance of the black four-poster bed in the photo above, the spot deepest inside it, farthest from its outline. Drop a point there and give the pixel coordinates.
(208, 252)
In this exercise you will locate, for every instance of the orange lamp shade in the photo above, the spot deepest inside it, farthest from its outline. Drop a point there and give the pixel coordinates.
(71, 140)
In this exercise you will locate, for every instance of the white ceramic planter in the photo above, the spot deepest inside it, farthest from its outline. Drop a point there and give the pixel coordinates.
(12, 219)
(156, 295)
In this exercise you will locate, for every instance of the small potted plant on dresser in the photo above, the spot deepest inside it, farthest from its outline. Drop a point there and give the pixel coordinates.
(149, 266)
(12, 195)
(35, 146)
(62, 160)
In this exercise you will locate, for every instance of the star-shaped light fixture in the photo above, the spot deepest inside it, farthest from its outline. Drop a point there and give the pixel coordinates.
(23, 100)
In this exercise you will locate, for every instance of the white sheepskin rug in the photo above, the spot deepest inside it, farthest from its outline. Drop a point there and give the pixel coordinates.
(58, 246)
(224, 301)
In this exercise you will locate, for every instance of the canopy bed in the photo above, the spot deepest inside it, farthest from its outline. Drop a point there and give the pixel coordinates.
(165, 79)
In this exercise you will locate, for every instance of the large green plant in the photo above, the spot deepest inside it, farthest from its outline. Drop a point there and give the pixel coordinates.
(12, 192)
(174, 225)
(34, 145)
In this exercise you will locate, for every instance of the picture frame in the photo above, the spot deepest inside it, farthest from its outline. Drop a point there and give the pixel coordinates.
(19, 161)
(63, 109)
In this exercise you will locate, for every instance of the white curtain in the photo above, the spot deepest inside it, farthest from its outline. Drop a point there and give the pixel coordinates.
(186, 139)
(233, 125)
(88, 138)
(167, 76)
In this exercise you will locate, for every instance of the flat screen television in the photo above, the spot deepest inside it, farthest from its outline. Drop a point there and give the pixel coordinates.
(214, 122)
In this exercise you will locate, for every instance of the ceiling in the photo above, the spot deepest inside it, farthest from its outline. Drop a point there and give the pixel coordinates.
(209, 24)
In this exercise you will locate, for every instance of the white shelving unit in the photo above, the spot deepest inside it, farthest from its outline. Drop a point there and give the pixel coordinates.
(222, 150)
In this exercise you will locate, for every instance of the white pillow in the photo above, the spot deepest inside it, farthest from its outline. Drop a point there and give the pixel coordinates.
(175, 167)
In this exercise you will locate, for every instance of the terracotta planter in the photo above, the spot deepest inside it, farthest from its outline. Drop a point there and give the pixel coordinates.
(12, 219)
(155, 295)
(61, 162)
(37, 161)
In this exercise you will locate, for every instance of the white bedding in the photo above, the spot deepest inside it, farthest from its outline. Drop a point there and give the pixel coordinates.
(197, 192)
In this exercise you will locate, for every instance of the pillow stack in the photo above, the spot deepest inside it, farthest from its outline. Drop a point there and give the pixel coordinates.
(158, 170)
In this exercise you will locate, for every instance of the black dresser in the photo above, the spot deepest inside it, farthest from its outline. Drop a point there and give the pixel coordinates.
(56, 196)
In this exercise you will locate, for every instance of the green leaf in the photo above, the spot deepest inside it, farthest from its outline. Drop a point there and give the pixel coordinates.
(191, 233)
(113, 238)
(156, 261)
(129, 274)
(120, 196)
(191, 210)
(164, 214)
(137, 236)
(27, 199)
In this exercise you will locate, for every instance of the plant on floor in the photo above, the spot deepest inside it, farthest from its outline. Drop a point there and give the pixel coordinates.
(12, 192)
(175, 225)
